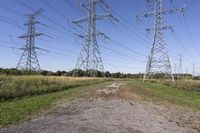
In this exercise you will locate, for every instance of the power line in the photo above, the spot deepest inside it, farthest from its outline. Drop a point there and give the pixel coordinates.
(46, 17)
(10, 10)
(127, 48)
(53, 8)
(32, 9)
(72, 6)
(189, 4)
(130, 25)
(141, 37)
(131, 36)
(118, 52)
(10, 21)
(189, 34)
(114, 52)
(63, 56)
(21, 3)
(121, 45)
(181, 44)
(186, 28)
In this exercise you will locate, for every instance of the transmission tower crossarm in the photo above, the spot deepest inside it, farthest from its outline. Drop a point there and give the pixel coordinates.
(97, 17)
(41, 49)
(167, 11)
(80, 20)
(31, 35)
(34, 48)
(102, 34)
(170, 27)
(103, 3)
(37, 13)
(102, 16)
(32, 21)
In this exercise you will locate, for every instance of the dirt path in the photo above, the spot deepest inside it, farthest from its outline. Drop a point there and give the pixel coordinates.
(101, 112)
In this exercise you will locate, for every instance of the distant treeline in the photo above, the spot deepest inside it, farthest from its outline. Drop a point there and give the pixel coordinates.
(79, 73)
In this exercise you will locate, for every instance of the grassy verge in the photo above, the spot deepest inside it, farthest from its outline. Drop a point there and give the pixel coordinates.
(17, 110)
(21, 86)
(160, 92)
(188, 85)
(185, 84)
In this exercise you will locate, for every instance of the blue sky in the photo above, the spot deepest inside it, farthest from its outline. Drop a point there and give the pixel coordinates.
(128, 33)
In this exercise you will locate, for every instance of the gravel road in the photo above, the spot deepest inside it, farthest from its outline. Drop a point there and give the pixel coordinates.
(97, 114)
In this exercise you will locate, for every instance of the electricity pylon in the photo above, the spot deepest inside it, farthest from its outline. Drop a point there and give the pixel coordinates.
(89, 58)
(193, 69)
(180, 76)
(28, 62)
(158, 60)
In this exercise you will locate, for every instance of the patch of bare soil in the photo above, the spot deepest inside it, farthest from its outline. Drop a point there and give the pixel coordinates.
(99, 113)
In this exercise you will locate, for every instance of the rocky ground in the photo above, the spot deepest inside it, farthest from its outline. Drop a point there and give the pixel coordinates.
(102, 111)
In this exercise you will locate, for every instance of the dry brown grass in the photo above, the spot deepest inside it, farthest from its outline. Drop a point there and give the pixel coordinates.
(186, 84)
(19, 86)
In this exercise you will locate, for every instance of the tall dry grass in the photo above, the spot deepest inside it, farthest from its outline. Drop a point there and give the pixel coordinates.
(19, 86)
(185, 84)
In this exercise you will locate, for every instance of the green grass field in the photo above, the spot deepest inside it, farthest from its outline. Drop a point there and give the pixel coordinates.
(185, 84)
(164, 93)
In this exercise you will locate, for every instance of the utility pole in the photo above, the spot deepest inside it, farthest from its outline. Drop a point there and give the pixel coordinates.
(180, 66)
(186, 70)
(193, 71)
(89, 58)
(158, 60)
(28, 62)
(175, 68)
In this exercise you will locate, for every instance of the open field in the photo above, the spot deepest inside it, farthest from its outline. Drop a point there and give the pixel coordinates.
(80, 104)
(20, 86)
(99, 66)
(23, 108)
(163, 93)
(185, 84)
(119, 106)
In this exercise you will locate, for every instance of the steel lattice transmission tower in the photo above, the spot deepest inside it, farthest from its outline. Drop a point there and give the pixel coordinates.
(181, 75)
(89, 58)
(158, 60)
(193, 69)
(28, 62)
